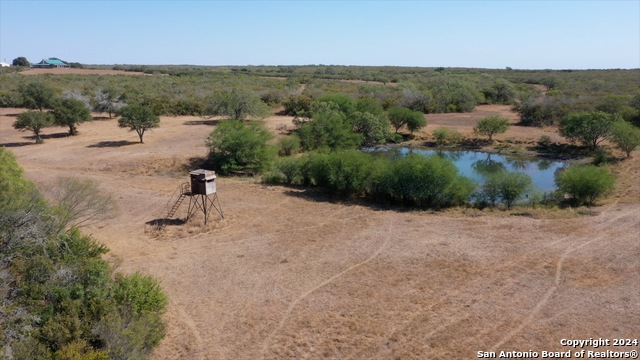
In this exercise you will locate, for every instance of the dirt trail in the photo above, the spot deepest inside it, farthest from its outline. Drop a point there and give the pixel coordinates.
(287, 276)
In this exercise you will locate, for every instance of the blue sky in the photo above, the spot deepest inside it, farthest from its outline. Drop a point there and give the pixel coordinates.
(481, 34)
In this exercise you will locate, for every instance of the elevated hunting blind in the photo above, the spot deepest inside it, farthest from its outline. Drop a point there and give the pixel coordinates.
(201, 191)
(203, 182)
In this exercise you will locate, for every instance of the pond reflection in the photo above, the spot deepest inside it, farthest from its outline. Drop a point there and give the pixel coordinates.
(478, 165)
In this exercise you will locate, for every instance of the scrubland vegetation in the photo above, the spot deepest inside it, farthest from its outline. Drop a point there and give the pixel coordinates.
(337, 109)
(60, 299)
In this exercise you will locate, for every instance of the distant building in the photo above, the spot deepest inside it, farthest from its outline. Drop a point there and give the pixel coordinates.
(4, 64)
(50, 63)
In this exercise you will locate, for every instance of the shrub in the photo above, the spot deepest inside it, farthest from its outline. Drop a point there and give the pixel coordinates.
(345, 104)
(290, 168)
(394, 138)
(452, 94)
(34, 121)
(422, 181)
(602, 156)
(288, 145)
(545, 140)
(500, 92)
(236, 104)
(507, 187)
(272, 97)
(445, 136)
(298, 106)
(542, 111)
(492, 125)
(345, 173)
(416, 123)
(401, 116)
(589, 128)
(625, 136)
(585, 183)
(70, 112)
(63, 294)
(414, 180)
(330, 129)
(17, 191)
(374, 128)
(369, 105)
(441, 135)
(238, 146)
(141, 294)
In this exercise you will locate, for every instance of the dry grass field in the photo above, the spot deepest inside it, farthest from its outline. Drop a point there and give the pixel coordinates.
(289, 274)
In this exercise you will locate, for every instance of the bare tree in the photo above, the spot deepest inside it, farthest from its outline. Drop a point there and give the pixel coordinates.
(108, 101)
(81, 203)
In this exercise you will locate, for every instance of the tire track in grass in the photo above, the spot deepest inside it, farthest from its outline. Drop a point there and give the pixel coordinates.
(407, 322)
(191, 325)
(294, 303)
(558, 276)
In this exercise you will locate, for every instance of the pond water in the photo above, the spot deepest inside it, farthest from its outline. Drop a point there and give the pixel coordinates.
(477, 165)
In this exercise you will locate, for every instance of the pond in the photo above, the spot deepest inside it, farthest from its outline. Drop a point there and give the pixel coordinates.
(477, 165)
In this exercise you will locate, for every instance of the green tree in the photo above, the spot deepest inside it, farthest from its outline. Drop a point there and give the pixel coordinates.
(452, 94)
(506, 186)
(142, 294)
(70, 112)
(585, 183)
(36, 95)
(329, 128)
(138, 118)
(441, 135)
(369, 105)
(236, 104)
(288, 145)
(589, 128)
(238, 146)
(501, 91)
(345, 103)
(60, 299)
(373, 128)
(298, 106)
(21, 61)
(492, 125)
(423, 181)
(416, 123)
(16, 189)
(33, 121)
(400, 116)
(445, 136)
(625, 136)
(290, 168)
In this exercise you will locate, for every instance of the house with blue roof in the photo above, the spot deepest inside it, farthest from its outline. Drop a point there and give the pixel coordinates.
(50, 63)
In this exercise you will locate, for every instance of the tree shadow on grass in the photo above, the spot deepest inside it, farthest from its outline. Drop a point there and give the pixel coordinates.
(166, 222)
(18, 144)
(49, 136)
(203, 122)
(194, 163)
(322, 196)
(32, 139)
(561, 151)
(103, 144)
